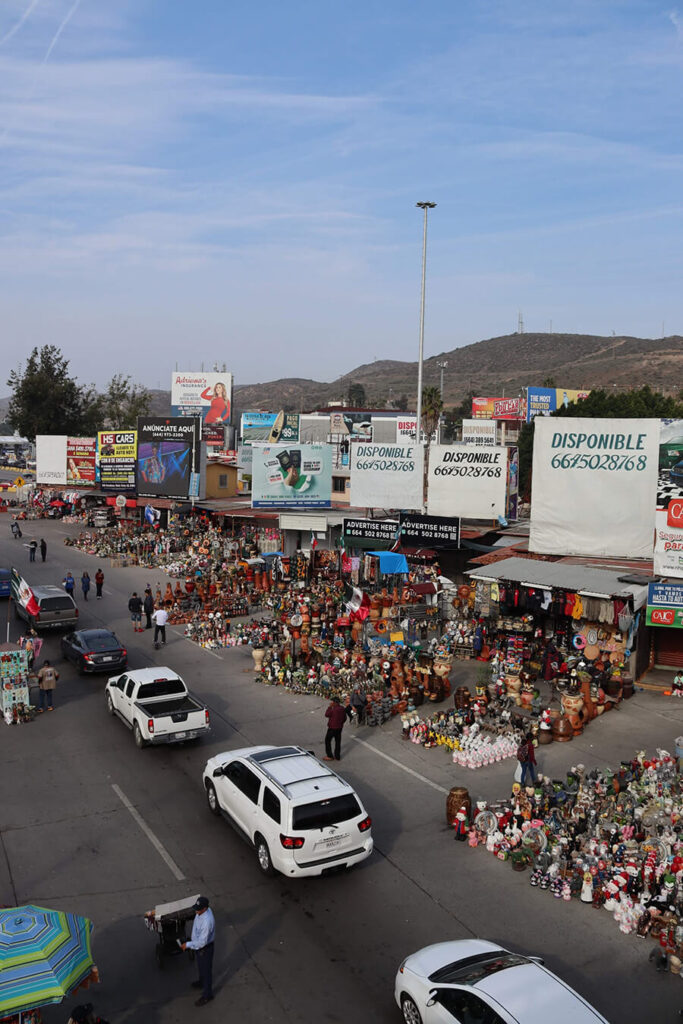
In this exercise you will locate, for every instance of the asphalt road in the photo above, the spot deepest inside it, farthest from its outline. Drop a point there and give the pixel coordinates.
(323, 950)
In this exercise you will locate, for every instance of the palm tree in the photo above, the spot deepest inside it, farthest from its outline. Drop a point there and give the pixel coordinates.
(432, 406)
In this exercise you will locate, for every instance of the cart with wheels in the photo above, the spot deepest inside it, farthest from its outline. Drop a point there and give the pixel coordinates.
(169, 922)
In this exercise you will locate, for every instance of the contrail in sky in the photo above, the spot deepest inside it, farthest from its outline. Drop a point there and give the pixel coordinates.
(62, 25)
(22, 19)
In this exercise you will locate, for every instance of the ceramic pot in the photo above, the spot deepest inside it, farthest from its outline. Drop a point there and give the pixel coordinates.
(562, 729)
(572, 703)
(458, 797)
(545, 736)
(258, 654)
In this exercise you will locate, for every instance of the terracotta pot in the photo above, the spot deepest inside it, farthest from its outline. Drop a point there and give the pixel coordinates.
(576, 724)
(458, 797)
(562, 729)
(545, 736)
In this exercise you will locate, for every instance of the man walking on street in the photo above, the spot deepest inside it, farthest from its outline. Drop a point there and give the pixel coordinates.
(43, 549)
(160, 619)
(203, 933)
(148, 606)
(99, 582)
(69, 583)
(32, 548)
(135, 609)
(47, 681)
(85, 584)
(336, 716)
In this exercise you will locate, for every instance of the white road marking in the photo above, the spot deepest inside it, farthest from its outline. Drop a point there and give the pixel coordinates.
(403, 767)
(156, 843)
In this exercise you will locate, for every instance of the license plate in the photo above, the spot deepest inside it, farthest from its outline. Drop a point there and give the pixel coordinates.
(330, 844)
(180, 735)
(109, 657)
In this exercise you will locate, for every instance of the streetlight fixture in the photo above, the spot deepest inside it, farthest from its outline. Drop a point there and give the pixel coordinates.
(442, 364)
(418, 428)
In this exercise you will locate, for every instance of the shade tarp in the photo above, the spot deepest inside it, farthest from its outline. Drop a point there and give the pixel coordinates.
(44, 955)
(391, 562)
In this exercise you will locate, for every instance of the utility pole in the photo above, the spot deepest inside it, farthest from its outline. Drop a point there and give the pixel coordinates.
(418, 428)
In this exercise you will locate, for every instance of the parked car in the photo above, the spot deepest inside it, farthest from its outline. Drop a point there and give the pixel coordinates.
(94, 650)
(676, 474)
(474, 980)
(156, 705)
(5, 582)
(299, 815)
(56, 609)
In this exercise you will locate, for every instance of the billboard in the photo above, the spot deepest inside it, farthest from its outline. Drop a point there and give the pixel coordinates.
(508, 409)
(594, 486)
(356, 425)
(270, 427)
(665, 605)
(466, 481)
(379, 531)
(482, 408)
(386, 475)
(298, 477)
(430, 531)
(207, 395)
(669, 510)
(543, 401)
(81, 458)
(116, 452)
(169, 452)
(479, 432)
(512, 484)
(406, 427)
(51, 459)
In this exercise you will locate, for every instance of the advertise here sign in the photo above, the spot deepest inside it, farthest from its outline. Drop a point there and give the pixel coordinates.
(50, 459)
(665, 605)
(593, 487)
(479, 432)
(379, 531)
(466, 482)
(430, 531)
(386, 475)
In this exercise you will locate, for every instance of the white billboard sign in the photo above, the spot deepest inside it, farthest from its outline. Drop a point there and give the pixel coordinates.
(479, 432)
(51, 459)
(466, 481)
(594, 486)
(386, 475)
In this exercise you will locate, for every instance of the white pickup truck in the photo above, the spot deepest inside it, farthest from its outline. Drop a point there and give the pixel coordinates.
(156, 705)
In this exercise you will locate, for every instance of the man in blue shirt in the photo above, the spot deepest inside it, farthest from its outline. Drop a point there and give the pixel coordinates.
(203, 931)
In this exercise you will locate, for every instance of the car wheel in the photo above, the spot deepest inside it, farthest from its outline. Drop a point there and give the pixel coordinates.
(263, 856)
(411, 1014)
(137, 736)
(212, 798)
(110, 704)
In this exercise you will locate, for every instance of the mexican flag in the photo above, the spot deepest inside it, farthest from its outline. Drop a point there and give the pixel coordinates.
(22, 593)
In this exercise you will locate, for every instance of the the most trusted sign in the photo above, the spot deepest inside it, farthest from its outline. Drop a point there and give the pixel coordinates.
(665, 605)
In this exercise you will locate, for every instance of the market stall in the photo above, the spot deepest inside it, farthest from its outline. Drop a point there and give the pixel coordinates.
(15, 704)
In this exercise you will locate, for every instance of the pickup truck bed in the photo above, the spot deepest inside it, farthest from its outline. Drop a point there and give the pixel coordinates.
(158, 708)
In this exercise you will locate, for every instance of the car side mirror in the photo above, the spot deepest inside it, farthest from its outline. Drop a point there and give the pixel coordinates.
(537, 960)
(432, 997)
(217, 772)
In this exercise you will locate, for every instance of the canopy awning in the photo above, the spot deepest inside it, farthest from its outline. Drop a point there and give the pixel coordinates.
(391, 562)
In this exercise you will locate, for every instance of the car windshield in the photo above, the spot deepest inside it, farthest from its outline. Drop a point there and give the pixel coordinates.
(161, 688)
(325, 812)
(56, 604)
(476, 968)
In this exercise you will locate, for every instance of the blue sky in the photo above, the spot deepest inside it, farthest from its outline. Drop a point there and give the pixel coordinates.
(189, 182)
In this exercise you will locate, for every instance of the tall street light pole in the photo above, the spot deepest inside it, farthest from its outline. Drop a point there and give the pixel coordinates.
(418, 430)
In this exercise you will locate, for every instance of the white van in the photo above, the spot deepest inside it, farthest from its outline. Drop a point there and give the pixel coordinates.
(299, 815)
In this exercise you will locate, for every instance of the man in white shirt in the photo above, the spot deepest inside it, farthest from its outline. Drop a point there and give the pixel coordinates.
(203, 932)
(160, 618)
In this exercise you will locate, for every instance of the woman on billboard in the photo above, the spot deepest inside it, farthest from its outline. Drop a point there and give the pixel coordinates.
(219, 410)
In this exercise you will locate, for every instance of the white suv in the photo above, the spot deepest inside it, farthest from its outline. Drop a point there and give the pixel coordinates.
(299, 815)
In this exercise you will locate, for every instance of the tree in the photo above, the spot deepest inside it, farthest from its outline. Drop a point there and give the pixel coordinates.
(549, 382)
(432, 406)
(402, 403)
(46, 400)
(123, 402)
(357, 397)
(379, 403)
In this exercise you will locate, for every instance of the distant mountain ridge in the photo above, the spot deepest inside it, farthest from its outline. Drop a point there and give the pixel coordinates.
(496, 366)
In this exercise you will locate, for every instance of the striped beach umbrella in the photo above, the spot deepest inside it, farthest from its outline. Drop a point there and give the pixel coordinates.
(44, 955)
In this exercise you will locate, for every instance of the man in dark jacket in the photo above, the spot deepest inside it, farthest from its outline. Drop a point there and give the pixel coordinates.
(148, 606)
(135, 609)
(336, 716)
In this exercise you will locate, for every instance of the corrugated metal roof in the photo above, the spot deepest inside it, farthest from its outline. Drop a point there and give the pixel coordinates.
(582, 579)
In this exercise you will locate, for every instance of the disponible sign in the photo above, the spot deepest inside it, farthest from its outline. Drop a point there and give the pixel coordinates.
(51, 459)
(430, 531)
(117, 452)
(299, 477)
(380, 531)
(386, 475)
(479, 432)
(665, 605)
(467, 482)
(593, 487)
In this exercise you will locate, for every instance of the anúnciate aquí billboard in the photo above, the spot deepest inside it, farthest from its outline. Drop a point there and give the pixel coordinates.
(169, 451)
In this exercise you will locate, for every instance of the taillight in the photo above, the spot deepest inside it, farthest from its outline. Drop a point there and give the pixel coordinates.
(206, 715)
(89, 656)
(292, 842)
(124, 652)
(365, 824)
(150, 725)
(76, 611)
